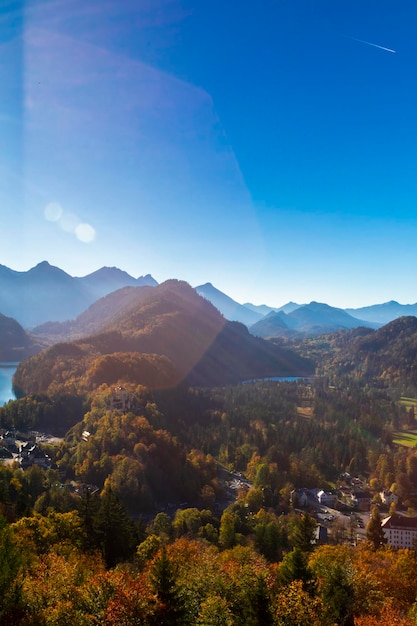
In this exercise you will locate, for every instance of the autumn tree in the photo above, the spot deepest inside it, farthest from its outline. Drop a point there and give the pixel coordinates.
(374, 532)
(10, 567)
(161, 526)
(293, 606)
(214, 611)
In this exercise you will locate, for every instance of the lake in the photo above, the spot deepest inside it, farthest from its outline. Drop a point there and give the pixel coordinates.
(6, 374)
(279, 378)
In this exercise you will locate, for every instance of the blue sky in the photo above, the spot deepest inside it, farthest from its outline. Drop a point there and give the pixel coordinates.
(264, 147)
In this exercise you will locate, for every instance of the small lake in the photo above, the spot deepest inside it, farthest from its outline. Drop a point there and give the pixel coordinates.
(7, 371)
(279, 378)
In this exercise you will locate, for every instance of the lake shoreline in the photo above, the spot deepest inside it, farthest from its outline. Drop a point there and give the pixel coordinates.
(7, 370)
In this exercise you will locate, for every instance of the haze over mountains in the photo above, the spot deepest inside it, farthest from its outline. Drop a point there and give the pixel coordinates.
(49, 301)
(310, 319)
(159, 336)
(47, 293)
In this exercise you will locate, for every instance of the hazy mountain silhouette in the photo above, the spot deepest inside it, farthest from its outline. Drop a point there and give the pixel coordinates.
(231, 309)
(47, 293)
(384, 313)
(311, 319)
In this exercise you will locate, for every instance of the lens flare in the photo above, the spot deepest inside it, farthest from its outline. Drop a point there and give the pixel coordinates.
(85, 233)
(53, 212)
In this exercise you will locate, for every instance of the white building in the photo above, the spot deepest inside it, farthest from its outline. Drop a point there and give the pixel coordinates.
(326, 498)
(400, 530)
(388, 497)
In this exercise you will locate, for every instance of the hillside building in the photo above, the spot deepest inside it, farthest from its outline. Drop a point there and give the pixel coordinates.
(400, 530)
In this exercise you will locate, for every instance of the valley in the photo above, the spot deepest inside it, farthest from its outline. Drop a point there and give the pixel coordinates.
(179, 436)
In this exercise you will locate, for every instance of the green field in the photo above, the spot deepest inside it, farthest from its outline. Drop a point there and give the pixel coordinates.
(409, 402)
(406, 438)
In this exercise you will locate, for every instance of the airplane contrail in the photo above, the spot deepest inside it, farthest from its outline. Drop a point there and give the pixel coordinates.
(375, 45)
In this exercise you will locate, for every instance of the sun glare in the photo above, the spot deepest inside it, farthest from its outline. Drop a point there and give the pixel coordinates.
(53, 212)
(85, 233)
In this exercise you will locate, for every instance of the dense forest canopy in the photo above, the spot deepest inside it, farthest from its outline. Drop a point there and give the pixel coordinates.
(246, 559)
(177, 503)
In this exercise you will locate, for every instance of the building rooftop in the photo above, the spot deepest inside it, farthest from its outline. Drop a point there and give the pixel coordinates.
(400, 522)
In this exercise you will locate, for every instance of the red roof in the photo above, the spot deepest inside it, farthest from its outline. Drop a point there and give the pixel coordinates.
(400, 521)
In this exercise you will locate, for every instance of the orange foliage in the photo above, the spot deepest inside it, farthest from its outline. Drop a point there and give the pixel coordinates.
(389, 615)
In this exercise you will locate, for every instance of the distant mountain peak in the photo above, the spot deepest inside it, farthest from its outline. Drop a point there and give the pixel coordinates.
(109, 272)
(43, 265)
(47, 293)
(231, 309)
(207, 286)
(45, 270)
(319, 305)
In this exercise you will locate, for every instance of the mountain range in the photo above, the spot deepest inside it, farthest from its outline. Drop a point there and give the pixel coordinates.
(160, 335)
(49, 302)
(310, 319)
(157, 336)
(47, 293)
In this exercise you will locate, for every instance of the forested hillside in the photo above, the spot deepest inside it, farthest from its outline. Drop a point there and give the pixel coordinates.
(15, 342)
(199, 551)
(157, 337)
(173, 495)
(386, 357)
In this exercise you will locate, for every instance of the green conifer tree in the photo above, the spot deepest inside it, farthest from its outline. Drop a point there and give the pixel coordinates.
(170, 610)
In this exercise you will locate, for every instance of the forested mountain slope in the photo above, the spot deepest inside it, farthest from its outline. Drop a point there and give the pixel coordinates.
(96, 318)
(385, 356)
(183, 335)
(15, 342)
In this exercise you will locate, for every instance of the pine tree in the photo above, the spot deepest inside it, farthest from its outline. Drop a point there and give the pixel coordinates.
(170, 609)
(118, 532)
(294, 567)
(89, 508)
(338, 596)
(303, 532)
(261, 603)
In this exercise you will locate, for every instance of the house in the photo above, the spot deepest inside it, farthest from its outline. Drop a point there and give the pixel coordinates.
(299, 498)
(5, 453)
(388, 497)
(33, 455)
(326, 498)
(400, 531)
(320, 535)
(121, 399)
(8, 438)
(362, 499)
